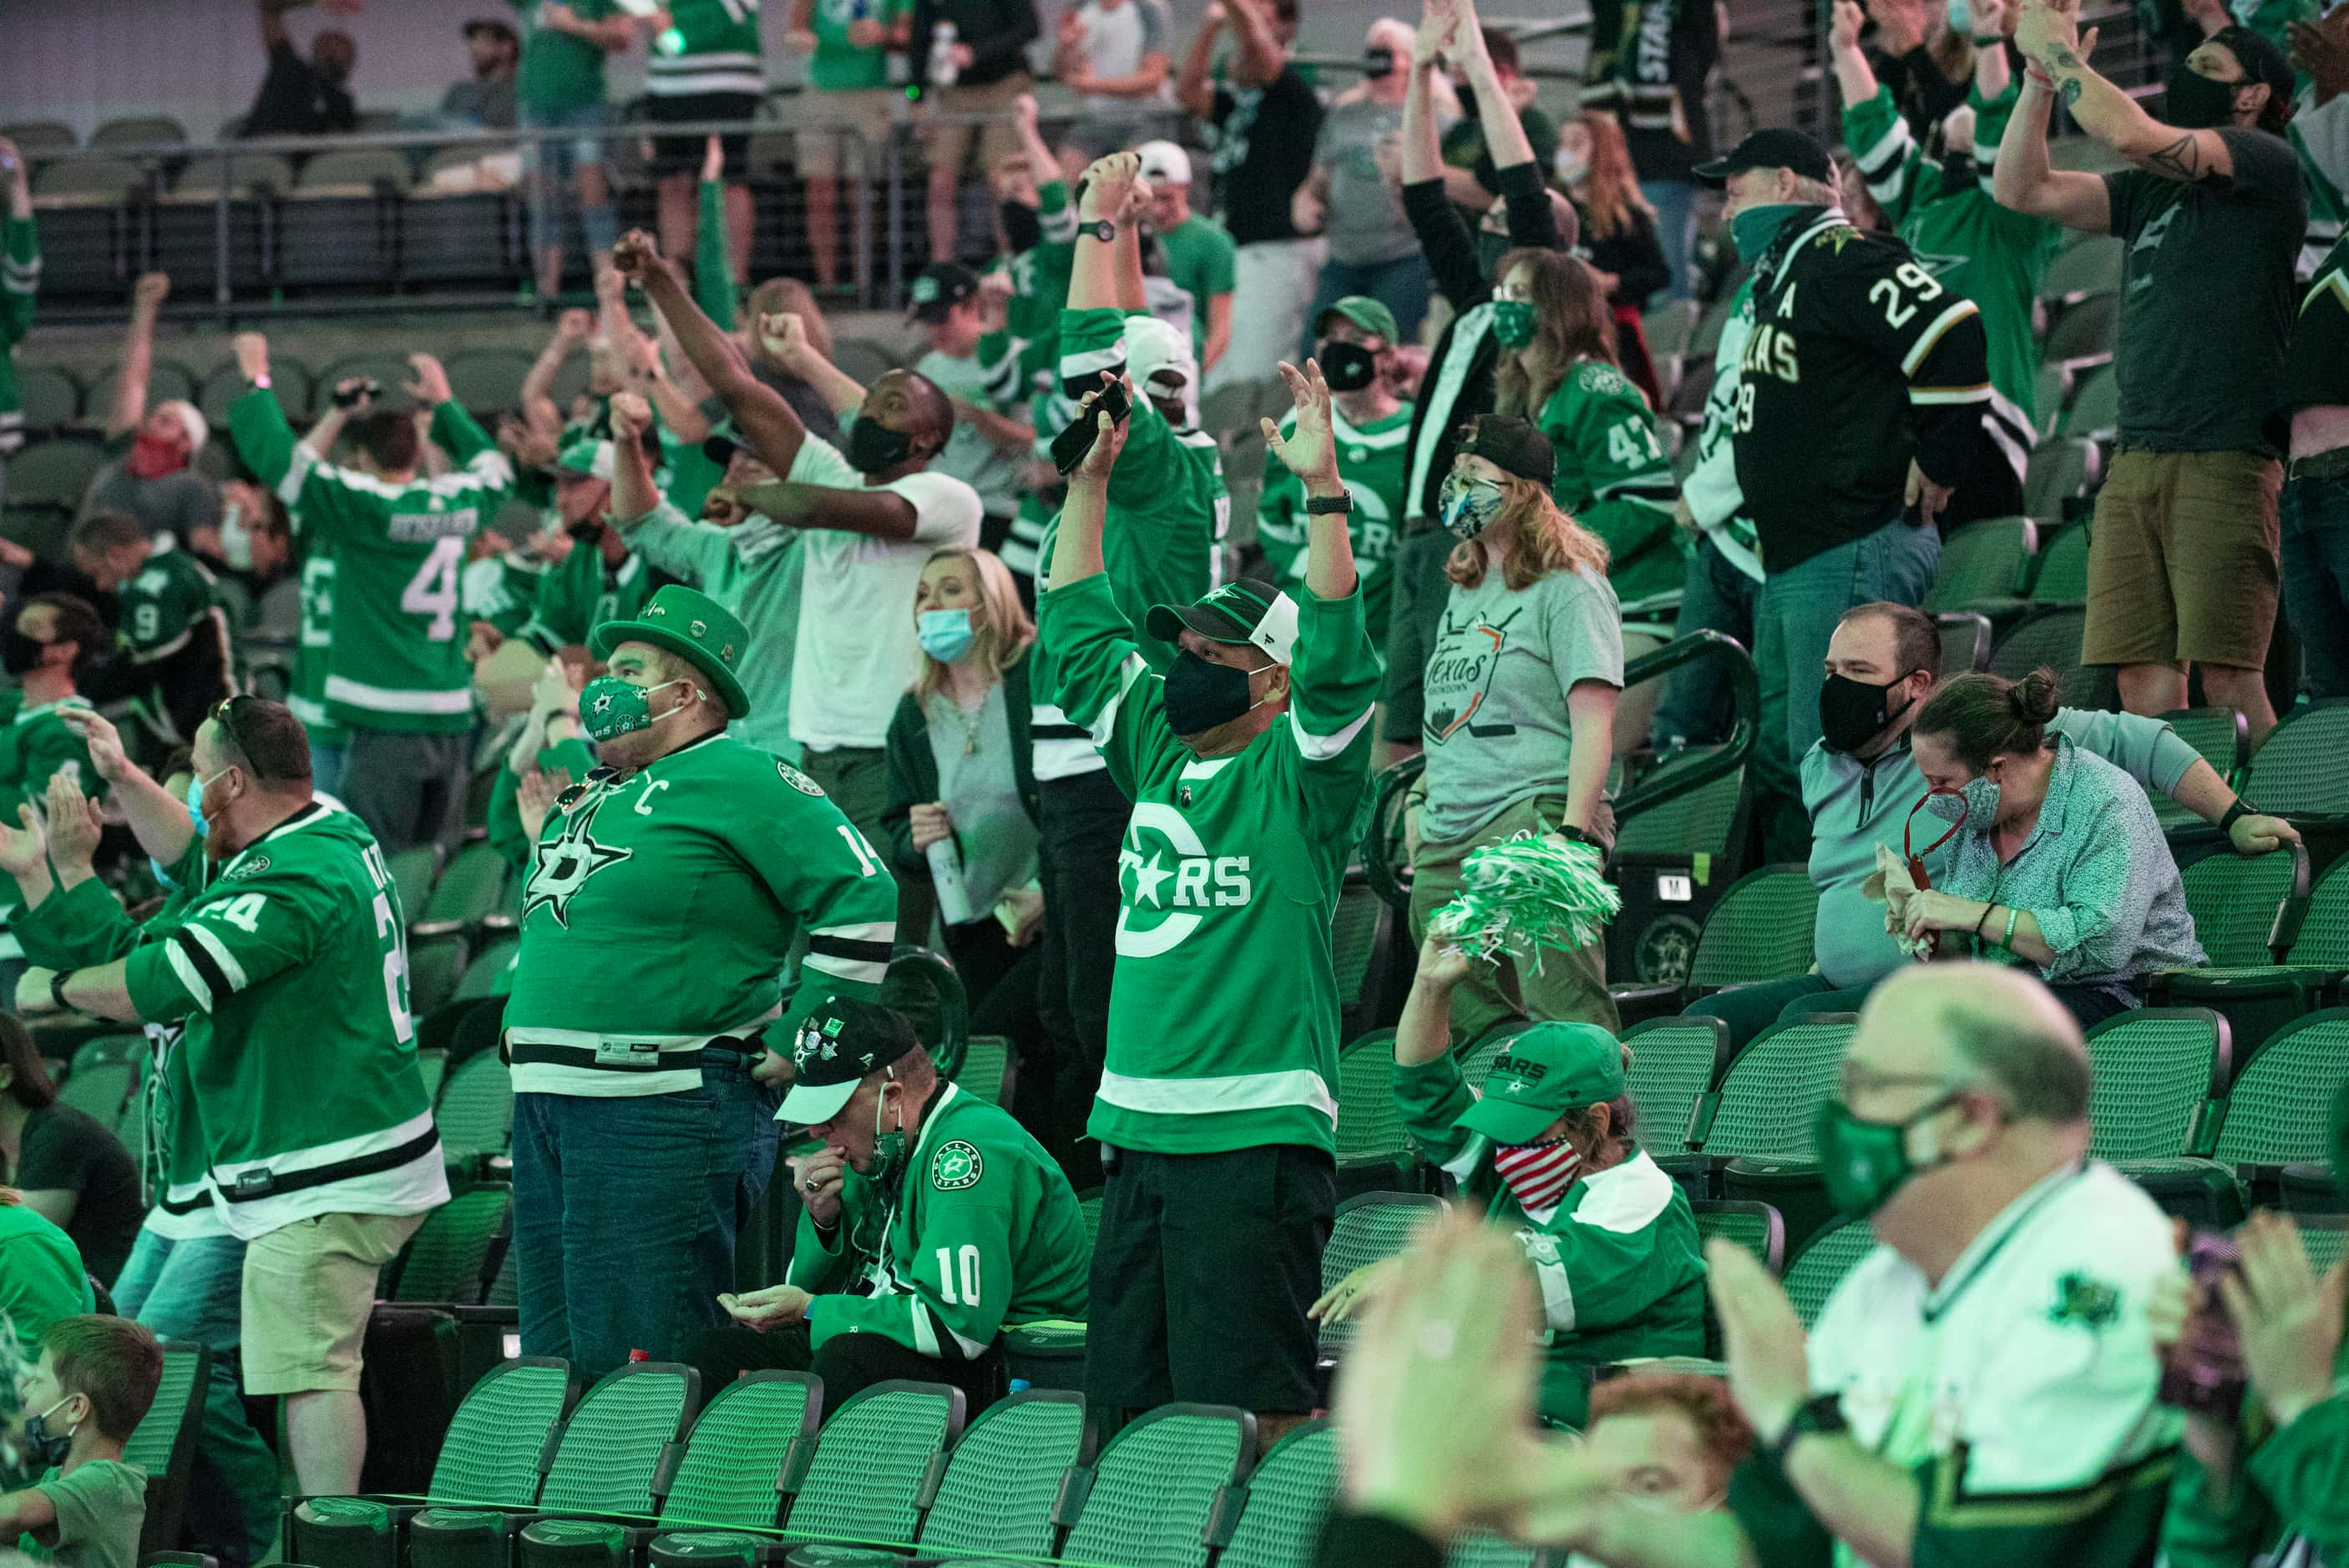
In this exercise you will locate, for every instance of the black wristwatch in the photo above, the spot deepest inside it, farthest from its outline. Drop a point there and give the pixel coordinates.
(57, 989)
(1325, 505)
(1101, 229)
(1822, 1413)
(2241, 807)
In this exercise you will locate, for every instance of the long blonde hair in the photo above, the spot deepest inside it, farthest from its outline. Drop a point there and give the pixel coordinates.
(1571, 322)
(1544, 540)
(1005, 632)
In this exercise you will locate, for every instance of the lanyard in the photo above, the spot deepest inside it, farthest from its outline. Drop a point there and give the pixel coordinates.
(1916, 857)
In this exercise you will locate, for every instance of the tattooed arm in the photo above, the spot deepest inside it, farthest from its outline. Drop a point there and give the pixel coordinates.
(2048, 36)
(2024, 179)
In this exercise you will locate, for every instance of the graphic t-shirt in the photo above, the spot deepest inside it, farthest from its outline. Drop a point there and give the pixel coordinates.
(1495, 726)
(1263, 140)
(1359, 141)
(1199, 260)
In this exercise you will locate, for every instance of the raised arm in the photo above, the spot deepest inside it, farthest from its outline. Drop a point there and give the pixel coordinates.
(1309, 451)
(1106, 277)
(158, 819)
(572, 329)
(2024, 179)
(784, 335)
(1193, 90)
(634, 493)
(1505, 133)
(1261, 57)
(1993, 72)
(2049, 37)
(766, 421)
(1077, 544)
(129, 409)
(1423, 144)
(1855, 79)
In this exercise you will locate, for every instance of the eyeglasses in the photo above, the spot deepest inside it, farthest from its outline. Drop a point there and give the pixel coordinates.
(1857, 1077)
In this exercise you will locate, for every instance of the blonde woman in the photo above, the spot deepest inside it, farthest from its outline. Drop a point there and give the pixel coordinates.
(1520, 701)
(958, 758)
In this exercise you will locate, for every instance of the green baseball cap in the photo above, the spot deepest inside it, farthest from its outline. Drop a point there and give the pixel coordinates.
(696, 628)
(586, 459)
(1369, 315)
(1543, 1072)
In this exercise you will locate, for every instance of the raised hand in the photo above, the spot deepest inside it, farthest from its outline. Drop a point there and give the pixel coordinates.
(431, 387)
(1109, 437)
(1107, 181)
(252, 354)
(75, 823)
(1441, 963)
(104, 741)
(575, 326)
(151, 290)
(535, 796)
(631, 415)
(784, 336)
(635, 255)
(23, 849)
(1843, 28)
(1309, 449)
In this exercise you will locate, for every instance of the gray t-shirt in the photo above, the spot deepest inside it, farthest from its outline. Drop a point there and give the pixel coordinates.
(1116, 39)
(100, 1507)
(171, 506)
(1495, 724)
(969, 456)
(981, 792)
(2208, 263)
(1366, 220)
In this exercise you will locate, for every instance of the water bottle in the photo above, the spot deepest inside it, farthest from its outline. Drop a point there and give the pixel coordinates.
(945, 875)
(943, 70)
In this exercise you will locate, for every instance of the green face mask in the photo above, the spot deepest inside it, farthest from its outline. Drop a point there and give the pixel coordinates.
(1751, 230)
(1864, 1163)
(1513, 323)
(610, 708)
(888, 1148)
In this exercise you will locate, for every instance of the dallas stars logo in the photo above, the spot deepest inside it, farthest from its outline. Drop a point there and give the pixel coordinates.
(956, 1166)
(565, 866)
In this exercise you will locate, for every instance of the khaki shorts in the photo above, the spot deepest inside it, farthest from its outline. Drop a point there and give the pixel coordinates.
(308, 1289)
(950, 141)
(822, 152)
(2183, 561)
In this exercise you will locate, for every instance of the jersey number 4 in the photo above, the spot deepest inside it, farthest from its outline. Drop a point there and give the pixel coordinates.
(433, 590)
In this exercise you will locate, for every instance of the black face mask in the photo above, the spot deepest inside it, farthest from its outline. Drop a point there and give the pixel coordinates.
(20, 654)
(1490, 248)
(1853, 713)
(1200, 696)
(2196, 102)
(586, 531)
(1347, 367)
(1960, 174)
(873, 445)
(1377, 63)
(1022, 228)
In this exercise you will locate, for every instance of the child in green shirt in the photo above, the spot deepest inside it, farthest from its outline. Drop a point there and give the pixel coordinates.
(94, 1381)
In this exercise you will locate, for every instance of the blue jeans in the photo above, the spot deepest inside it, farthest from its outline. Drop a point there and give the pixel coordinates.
(625, 1212)
(1715, 596)
(1792, 620)
(2314, 517)
(326, 765)
(1675, 204)
(554, 166)
(1403, 285)
(192, 1290)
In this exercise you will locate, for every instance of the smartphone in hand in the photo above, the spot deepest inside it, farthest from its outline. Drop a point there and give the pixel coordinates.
(2204, 1372)
(1070, 447)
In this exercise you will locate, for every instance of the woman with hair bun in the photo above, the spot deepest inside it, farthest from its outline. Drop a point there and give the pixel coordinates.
(2059, 863)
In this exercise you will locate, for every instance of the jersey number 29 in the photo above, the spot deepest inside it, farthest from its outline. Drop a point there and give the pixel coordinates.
(394, 935)
(433, 590)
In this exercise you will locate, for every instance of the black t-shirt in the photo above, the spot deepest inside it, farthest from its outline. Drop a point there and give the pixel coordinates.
(296, 100)
(1264, 149)
(67, 1149)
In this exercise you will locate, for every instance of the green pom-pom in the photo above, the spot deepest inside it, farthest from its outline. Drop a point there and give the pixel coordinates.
(1527, 894)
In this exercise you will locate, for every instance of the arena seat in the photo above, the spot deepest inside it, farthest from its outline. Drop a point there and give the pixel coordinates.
(436, 965)
(2050, 636)
(488, 381)
(2095, 408)
(2326, 1237)
(1673, 1062)
(104, 1069)
(166, 379)
(2156, 1071)
(139, 130)
(1672, 860)
(2090, 265)
(1372, 1226)
(1476, 1058)
(1370, 1133)
(2246, 907)
(1163, 1491)
(1761, 929)
(163, 1444)
(1765, 1097)
(2050, 391)
(986, 1064)
(1820, 1268)
(455, 1251)
(1480, 1548)
(2275, 1109)
(744, 1454)
(2084, 332)
(873, 1462)
(412, 870)
(53, 472)
(2297, 770)
(2058, 470)
(49, 396)
(2060, 576)
(495, 1455)
(475, 1108)
(486, 968)
(615, 1452)
(2221, 736)
(36, 137)
(1361, 943)
(1759, 1228)
(1965, 641)
(863, 360)
(1983, 563)
(466, 893)
(2260, 998)
(86, 182)
(1286, 1498)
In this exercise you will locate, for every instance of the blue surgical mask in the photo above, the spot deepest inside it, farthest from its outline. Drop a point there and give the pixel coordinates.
(196, 788)
(1962, 17)
(945, 635)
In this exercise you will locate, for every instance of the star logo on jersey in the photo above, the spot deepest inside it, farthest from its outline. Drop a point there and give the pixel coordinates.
(1167, 879)
(251, 868)
(563, 866)
(797, 780)
(2090, 1302)
(956, 1166)
(1940, 266)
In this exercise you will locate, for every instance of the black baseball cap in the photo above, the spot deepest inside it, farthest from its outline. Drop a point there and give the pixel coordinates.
(941, 286)
(841, 1040)
(2261, 61)
(492, 27)
(720, 446)
(1778, 146)
(1251, 611)
(1513, 445)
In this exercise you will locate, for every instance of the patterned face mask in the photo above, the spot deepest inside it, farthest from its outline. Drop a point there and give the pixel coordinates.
(1537, 1174)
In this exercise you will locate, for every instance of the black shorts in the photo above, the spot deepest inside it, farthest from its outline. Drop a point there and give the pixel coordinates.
(683, 154)
(1202, 1273)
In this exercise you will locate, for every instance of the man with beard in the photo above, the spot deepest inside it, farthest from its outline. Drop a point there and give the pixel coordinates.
(53, 638)
(293, 955)
(299, 96)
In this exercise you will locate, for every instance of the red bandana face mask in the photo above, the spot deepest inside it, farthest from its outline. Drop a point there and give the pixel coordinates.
(1537, 1174)
(150, 459)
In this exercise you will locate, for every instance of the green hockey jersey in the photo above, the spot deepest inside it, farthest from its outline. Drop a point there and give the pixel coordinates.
(580, 591)
(396, 659)
(166, 606)
(979, 1232)
(1619, 1260)
(501, 590)
(1371, 459)
(36, 746)
(20, 280)
(313, 649)
(1222, 1022)
(660, 908)
(710, 46)
(1992, 254)
(295, 955)
(1614, 478)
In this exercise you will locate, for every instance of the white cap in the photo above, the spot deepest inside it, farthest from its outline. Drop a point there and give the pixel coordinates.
(1156, 350)
(1164, 163)
(199, 429)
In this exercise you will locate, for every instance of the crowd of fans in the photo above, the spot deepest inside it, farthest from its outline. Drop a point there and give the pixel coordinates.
(757, 671)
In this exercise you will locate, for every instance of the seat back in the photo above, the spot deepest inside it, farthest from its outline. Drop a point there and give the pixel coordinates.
(2326, 1237)
(2153, 1069)
(2063, 576)
(104, 1070)
(88, 180)
(872, 1461)
(616, 1442)
(1775, 1086)
(1982, 562)
(412, 870)
(2222, 738)
(1369, 1125)
(2280, 1096)
(1358, 936)
(355, 168)
(2244, 906)
(2091, 265)
(1820, 1266)
(984, 1059)
(452, 1254)
(1370, 1227)
(1004, 1479)
(1477, 1056)
(1673, 1062)
(475, 1112)
(163, 1444)
(487, 380)
(496, 1449)
(2323, 935)
(1480, 1548)
(139, 130)
(1965, 641)
(2095, 408)
(2298, 770)
(48, 396)
(2057, 471)
(1289, 1495)
(1759, 1228)
(1761, 929)
(2049, 637)
(1704, 821)
(436, 968)
(54, 473)
(471, 888)
(1157, 1485)
(746, 1447)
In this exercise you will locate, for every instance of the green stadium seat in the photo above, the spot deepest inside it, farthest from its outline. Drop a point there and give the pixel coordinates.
(1480, 1548)
(87, 183)
(2246, 907)
(53, 472)
(1289, 1494)
(1361, 942)
(2276, 1106)
(49, 396)
(2326, 1237)
(746, 1449)
(1369, 1228)
(2221, 736)
(488, 380)
(166, 379)
(2058, 470)
(36, 139)
(927, 989)
(1005, 1478)
(2260, 998)
(2155, 1070)
(2063, 574)
(863, 359)
(1089, 1205)
(1370, 1127)
(873, 1463)
(163, 1444)
(436, 965)
(1704, 821)
(432, 1066)
(2052, 390)
(1765, 1099)
(986, 1064)
(1673, 1062)
(616, 1450)
(2088, 266)
(467, 893)
(2085, 332)
(2297, 770)
(139, 130)
(413, 870)
(2049, 637)
(453, 1253)
(1756, 1227)
(487, 969)
(2096, 409)
(1162, 1486)
(1983, 563)
(493, 1457)
(1477, 1056)
(1820, 1266)
(104, 1071)
(475, 1110)
(1761, 929)
(505, 1289)
(1965, 641)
